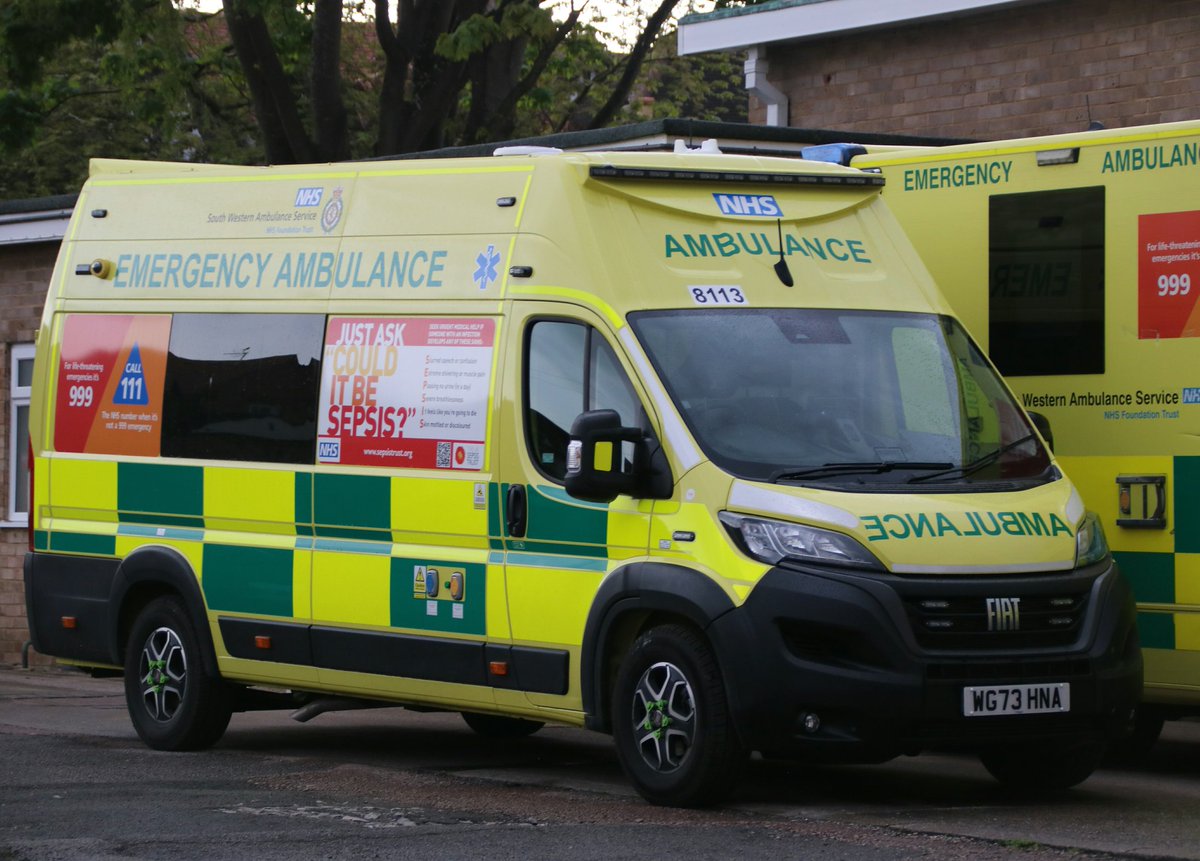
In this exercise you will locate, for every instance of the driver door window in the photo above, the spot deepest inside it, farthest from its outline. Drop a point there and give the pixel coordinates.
(570, 369)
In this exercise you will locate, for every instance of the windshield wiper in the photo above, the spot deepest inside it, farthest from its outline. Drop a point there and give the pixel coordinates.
(975, 465)
(853, 468)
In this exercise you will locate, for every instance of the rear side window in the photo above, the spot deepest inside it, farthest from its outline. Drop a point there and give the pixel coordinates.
(1046, 282)
(242, 387)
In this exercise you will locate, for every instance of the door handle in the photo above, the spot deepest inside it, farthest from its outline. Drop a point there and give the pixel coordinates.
(514, 511)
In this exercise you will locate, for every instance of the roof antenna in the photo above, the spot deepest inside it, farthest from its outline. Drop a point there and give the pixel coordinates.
(781, 267)
(1093, 125)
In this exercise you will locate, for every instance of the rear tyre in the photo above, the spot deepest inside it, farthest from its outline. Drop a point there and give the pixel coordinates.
(499, 726)
(671, 723)
(173, 702)
(1043, 767)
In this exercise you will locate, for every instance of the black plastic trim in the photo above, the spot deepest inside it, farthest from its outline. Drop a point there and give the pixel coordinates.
(290, 642)
(163, 566)
(402, 655)
(640, 587)
(859, 180)
(78, 586)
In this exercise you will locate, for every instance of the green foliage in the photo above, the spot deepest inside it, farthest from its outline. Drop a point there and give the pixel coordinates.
(126, 79)
(698, 86)
(155, 79)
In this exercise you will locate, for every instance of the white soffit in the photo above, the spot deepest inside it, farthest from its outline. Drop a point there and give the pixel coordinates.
(798, 20)
(34, 227)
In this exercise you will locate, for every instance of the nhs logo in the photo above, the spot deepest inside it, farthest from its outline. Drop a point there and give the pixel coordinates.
(762, 205)
(309, 196)
(329, 451)
(1191, 396)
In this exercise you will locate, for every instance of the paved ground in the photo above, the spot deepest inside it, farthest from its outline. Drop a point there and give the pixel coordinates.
(389, 783)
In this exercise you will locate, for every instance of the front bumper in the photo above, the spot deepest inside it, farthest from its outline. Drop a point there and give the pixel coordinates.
(881, 660)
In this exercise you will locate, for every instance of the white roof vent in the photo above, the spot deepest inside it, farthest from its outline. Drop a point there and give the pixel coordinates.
(708, 147)
(526, 150)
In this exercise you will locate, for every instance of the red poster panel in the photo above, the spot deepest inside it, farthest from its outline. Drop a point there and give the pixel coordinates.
(110, 384)
(409, 392)
(1169, 275)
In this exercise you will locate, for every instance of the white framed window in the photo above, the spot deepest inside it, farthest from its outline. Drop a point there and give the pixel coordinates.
(20, 385)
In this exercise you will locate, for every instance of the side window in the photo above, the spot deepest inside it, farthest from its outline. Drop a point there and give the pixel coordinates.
(570, 369)
(21, 382)
(1046, 282)
(243, 387)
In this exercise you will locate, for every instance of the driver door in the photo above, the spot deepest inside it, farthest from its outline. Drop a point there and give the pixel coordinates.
(558, 549)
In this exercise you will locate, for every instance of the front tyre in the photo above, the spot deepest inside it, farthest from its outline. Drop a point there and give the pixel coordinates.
(671, 721)
(1043, 768)
(173, 702)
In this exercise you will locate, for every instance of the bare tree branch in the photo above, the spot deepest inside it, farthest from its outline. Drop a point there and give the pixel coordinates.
(641, 48)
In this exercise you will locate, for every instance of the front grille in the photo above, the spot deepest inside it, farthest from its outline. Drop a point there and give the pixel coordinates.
(982, 672)
(1005, 620)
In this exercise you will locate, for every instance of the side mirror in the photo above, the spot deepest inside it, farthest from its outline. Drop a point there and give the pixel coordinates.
(1043, 426)
(603, 458)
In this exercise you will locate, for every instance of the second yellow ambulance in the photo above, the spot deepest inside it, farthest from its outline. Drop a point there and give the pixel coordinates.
(1075, 259)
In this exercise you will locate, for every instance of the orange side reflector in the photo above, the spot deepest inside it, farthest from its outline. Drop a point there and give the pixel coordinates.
(69, 622)
(498, 668)
(262, 642)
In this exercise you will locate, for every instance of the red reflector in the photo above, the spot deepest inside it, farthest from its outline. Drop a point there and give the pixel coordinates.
(69, 622)
(262, 642)
(498, 668)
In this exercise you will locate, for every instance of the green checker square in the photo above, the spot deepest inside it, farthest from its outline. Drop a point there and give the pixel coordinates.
(80, 542)
(346, 503)
(1187, 504)
(409, 609)
(1152, 575)
(254, 580)
(563, 527)
(156, 493)
(1156, 630)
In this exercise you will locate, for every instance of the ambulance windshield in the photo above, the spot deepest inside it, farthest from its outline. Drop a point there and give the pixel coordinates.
(852, 399)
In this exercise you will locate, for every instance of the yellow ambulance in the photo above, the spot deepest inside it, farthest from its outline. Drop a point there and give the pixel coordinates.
(1075, 259)
(683, 447)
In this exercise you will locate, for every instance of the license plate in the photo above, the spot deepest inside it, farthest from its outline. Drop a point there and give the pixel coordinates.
(1017, 699)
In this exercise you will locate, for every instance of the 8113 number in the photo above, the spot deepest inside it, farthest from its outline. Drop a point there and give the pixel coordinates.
(718, 295)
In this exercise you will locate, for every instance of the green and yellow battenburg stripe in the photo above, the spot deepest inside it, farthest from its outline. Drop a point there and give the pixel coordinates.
(329, 547)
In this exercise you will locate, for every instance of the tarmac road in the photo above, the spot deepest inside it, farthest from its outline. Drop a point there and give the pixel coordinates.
(75, 782)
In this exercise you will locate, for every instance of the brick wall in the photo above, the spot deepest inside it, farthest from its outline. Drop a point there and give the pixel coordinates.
(24, 276)
(1014, 73)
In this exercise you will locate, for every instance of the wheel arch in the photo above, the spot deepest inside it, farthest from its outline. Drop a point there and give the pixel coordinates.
(631, 599)
(151, 572)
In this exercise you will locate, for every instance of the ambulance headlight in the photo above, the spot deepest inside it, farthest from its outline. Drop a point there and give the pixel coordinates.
(1090, 544)
(772, 540)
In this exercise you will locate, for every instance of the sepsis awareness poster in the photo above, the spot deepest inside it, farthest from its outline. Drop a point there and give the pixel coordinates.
(110, 383)
(1169, 275)
(406, 392)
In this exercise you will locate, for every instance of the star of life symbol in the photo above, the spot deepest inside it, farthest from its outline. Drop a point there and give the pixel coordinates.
(486, 273)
